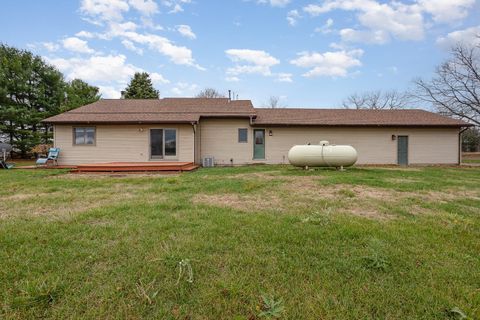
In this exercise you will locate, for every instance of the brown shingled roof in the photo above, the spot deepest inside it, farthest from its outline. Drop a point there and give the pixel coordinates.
(353, 117)
(179, 110)
(189, 110)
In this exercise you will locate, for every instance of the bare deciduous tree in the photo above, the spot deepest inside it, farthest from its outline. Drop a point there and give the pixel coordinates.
(378, 100)
(273, 102)
(210, 93)
(455, 88)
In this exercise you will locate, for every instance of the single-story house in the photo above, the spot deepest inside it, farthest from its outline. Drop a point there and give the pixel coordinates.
(233, 132)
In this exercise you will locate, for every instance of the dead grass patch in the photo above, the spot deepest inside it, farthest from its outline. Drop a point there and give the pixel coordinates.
(241, 202)
(62, 204)
(392, 168)
(309, 187)
(369, 212)
(123, 175)
(451, 194)
(264, 175)
(403, 180)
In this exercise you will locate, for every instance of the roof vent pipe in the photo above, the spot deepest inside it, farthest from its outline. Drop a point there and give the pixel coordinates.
(229, 94)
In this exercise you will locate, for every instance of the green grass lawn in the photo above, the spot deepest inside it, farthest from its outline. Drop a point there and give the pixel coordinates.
(471, 161)
(367, 243)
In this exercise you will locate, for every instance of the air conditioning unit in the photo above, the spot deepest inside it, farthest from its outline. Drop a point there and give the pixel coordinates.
(208, 162)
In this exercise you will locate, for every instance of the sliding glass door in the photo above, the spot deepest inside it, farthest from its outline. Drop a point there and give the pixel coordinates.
(163, 144)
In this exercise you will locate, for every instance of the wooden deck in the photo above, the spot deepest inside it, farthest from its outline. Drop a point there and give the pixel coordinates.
(136, 166)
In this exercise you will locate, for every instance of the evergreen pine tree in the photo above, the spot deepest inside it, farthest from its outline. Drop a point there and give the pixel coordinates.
(141, 87)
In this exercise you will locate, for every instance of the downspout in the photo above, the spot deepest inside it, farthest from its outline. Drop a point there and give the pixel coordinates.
(460, 145)
(194, 128)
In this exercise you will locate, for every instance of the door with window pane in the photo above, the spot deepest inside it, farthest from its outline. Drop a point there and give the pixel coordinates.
(156, 143)
(402, 150)
(259, 144)
(163, 144)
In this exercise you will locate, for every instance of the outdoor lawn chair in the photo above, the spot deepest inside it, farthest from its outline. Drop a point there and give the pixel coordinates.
(52, 155)
(4, 165)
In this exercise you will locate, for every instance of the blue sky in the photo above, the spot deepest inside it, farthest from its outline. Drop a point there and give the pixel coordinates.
(309, 53)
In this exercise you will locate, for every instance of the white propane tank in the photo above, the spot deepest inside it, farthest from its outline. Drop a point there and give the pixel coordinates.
(322, 155)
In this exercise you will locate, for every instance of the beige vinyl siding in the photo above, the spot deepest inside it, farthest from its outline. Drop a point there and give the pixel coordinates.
(219, 138)
(119, 143)
(374, 145)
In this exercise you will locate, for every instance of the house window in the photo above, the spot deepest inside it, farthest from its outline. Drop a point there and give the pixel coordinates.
(84, 136)
(170, 142)
(163, 143)
(243, 135)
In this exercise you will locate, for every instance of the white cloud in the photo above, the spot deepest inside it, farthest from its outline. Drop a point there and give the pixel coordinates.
(148, 23)
(158, 78)
(251, 62)
(447, 10)
(175, 5)
(110, 13)
(232, 79)
(119, 29)
(77, 45)
(468, 36)
(97, 69)
(333, 64)
(326, 28)
(111, 73)
(383, 21)
(109, 92)
(186, 31)
(50, 46)
(402, 21)
(377, 36)
(84, 34)
(284, 77)
(146, 7)
(177, 54)
(292, 17)
(130, 46)
(108, 10)
(275, 3)
(131, 39)
(112, 10)
(176, 9)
